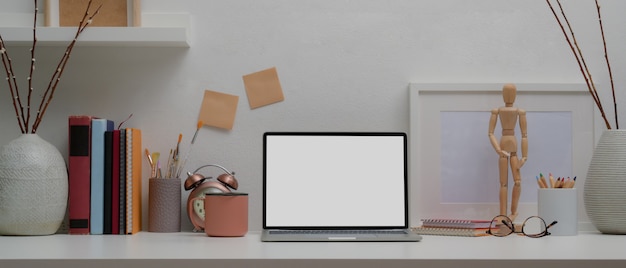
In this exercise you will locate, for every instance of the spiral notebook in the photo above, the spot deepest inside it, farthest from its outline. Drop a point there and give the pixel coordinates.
(335, 187)
(472, 232)
(456, 223)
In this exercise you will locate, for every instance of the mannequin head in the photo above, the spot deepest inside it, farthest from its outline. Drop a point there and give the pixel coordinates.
(508, 94)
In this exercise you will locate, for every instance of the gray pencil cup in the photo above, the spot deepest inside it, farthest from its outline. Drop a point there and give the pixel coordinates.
(164, 205)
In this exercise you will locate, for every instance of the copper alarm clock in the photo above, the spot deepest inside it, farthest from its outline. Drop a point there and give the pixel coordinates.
(200, 186)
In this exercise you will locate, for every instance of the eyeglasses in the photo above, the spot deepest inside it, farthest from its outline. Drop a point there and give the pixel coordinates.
(533, 226)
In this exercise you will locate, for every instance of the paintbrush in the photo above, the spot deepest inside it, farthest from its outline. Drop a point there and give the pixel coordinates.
(193, 140)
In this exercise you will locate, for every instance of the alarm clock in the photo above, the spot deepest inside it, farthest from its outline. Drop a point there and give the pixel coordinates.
(199, 186)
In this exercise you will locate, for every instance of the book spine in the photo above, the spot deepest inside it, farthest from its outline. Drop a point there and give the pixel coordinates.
(129, 180)
(108, 182)
(79, 173)
(137, 175)
(98, 127)
(133, 180)
(122, 191)
(115, 183)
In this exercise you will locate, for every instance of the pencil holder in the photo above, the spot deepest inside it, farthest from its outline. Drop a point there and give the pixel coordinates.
(561, 205)
(164, 205)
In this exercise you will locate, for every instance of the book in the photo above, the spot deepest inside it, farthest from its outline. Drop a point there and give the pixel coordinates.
(456, 223)
(98, 127)
(469, 232)
(108, 183)
(133, 180)
(79, 173)
(115, 183)
(122, 185)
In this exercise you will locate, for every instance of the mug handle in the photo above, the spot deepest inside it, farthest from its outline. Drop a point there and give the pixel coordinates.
(196, 220)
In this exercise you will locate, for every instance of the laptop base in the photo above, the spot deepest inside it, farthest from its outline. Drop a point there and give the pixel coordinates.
(357, 236)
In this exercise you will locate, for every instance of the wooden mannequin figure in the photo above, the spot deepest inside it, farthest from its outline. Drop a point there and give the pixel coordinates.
(507, 147)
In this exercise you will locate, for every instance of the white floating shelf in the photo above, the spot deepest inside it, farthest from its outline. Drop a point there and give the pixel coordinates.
(99, 36)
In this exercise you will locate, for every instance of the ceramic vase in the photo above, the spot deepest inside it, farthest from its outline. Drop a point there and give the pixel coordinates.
(605, 185)
(33, 187)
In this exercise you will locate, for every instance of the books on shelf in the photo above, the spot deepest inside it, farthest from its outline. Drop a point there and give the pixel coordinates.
(105, 177)
(453, 227)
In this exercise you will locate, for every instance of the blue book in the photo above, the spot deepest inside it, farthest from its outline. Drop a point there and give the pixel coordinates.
(98, 127)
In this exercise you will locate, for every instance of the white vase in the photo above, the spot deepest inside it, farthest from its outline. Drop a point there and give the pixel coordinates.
(605, 186)
(33, 187)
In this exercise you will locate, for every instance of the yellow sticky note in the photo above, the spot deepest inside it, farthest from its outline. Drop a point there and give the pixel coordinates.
(263, 88)
(218, 109)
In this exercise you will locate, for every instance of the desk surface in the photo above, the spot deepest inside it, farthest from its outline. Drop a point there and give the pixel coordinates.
(167, 249)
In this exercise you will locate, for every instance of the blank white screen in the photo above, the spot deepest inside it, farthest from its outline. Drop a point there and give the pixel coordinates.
(319, 181)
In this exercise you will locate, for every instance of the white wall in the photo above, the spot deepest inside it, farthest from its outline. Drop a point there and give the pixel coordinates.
(344, 65)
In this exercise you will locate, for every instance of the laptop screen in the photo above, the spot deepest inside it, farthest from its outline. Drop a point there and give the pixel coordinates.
(335, 180)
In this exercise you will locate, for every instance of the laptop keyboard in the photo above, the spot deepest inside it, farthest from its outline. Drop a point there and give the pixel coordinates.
(336, 232)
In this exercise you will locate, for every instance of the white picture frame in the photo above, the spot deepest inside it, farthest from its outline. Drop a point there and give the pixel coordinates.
(428, 101)
(51, 13)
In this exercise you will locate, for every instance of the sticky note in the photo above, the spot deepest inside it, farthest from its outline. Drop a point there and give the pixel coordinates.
(263, 88)
(218, 109)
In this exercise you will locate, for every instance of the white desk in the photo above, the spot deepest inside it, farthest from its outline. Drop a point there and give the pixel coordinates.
(196, 250)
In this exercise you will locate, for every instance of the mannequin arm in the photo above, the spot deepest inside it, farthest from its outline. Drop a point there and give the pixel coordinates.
(523, 129)
(492, 138)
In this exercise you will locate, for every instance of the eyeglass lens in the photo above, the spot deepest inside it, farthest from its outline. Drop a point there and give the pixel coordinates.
(501, 226)
(534, 227)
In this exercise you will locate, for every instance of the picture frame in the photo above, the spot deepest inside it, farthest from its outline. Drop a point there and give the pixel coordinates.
(118, 13)
(429, 101)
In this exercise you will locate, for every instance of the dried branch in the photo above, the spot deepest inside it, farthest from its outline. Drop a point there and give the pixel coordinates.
(32, 68)
(56, 76)
(23, 117)
(8, 67)
(608, 64)
(573, 44)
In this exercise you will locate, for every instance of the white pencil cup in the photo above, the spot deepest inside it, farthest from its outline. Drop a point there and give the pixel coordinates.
(561, 205)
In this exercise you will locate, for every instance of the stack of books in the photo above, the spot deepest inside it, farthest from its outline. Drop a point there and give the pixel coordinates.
(453, 227)
(104, 170)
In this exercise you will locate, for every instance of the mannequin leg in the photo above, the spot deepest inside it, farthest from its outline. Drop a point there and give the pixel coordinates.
(517, 186)
(504, 179)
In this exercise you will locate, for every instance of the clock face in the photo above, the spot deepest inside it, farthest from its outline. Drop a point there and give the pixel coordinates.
(198, 204)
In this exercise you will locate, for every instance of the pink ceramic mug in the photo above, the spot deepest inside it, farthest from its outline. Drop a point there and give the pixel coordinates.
(226, 214)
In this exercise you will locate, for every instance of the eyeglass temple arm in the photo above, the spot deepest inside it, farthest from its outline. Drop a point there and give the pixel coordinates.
(551, 224)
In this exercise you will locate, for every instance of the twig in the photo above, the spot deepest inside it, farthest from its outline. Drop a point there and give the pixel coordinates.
(593, 89)
(23, 117)
(608, 64)
(8, 67)
(56, 77)
(32, 68)
(579, 59)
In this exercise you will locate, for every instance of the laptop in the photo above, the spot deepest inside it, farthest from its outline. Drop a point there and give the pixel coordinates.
(335, 186)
